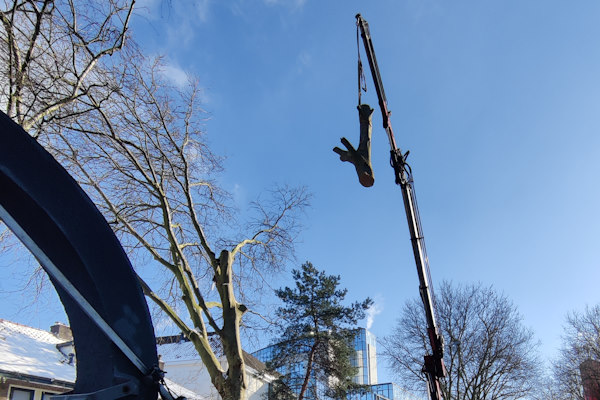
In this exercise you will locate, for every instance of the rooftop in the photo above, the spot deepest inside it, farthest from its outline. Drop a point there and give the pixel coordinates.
(34, 352)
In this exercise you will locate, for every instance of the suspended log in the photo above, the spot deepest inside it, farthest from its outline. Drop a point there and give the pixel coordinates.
(361, 157)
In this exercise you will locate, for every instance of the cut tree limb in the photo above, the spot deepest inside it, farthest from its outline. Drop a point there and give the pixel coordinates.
(361, 157)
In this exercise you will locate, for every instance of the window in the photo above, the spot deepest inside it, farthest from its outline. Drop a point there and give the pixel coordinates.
(46, 395)
(21, 394)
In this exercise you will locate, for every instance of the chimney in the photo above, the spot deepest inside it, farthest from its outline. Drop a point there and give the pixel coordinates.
(61, 331)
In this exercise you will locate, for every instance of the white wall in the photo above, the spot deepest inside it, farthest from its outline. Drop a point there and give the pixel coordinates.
(193, 375)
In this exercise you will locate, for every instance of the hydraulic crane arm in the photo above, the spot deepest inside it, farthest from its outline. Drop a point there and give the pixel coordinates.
(434, 364)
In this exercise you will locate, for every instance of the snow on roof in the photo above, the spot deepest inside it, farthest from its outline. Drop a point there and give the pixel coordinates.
(179, 390)
(32, 352)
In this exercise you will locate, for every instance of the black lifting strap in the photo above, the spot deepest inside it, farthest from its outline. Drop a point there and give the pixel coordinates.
(362, 82)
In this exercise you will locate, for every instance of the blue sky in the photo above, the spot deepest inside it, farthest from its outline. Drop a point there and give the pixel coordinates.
(497, 101)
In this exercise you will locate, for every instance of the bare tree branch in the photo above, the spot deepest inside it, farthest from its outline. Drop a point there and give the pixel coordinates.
(136, 145)
(578, 364)
(490, 354)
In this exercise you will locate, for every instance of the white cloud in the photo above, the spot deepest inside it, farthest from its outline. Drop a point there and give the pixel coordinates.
(180, 78)
(304, 60)
(202, 8)
(174, 74)
(375, 309)
(183, 19)
(239, 195)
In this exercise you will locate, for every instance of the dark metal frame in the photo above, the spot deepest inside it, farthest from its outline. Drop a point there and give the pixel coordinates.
(108, 314)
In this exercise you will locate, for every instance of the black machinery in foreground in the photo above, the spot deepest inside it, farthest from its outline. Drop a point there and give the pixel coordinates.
(54, 218)
(433, 367)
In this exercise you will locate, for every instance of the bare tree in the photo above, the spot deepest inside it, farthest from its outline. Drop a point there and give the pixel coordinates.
(141, 155)
(489, 355)
(578, 364)
(51, 51)
(135, 143)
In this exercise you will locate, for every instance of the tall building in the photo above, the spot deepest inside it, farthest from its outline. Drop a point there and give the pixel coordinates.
(296, 371)
(364, 359)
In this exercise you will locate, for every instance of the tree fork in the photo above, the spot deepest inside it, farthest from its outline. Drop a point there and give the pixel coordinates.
(361, 157)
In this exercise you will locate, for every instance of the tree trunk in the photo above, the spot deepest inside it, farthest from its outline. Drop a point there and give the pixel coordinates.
(236, 380)
(361, 157)
(309, 363)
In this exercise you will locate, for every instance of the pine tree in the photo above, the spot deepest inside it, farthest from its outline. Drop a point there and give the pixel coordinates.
(313, 354)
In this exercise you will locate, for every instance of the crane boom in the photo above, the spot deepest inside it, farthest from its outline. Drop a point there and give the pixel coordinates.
(434, 363)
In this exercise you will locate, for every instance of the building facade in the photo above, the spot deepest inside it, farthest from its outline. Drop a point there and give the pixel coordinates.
(590, 378)
(365, 361)
(365, 357)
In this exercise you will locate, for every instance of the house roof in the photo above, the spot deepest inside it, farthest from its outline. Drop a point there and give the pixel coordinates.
(178, 390)
(34, 353)
(254, 362)
(30, 351)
